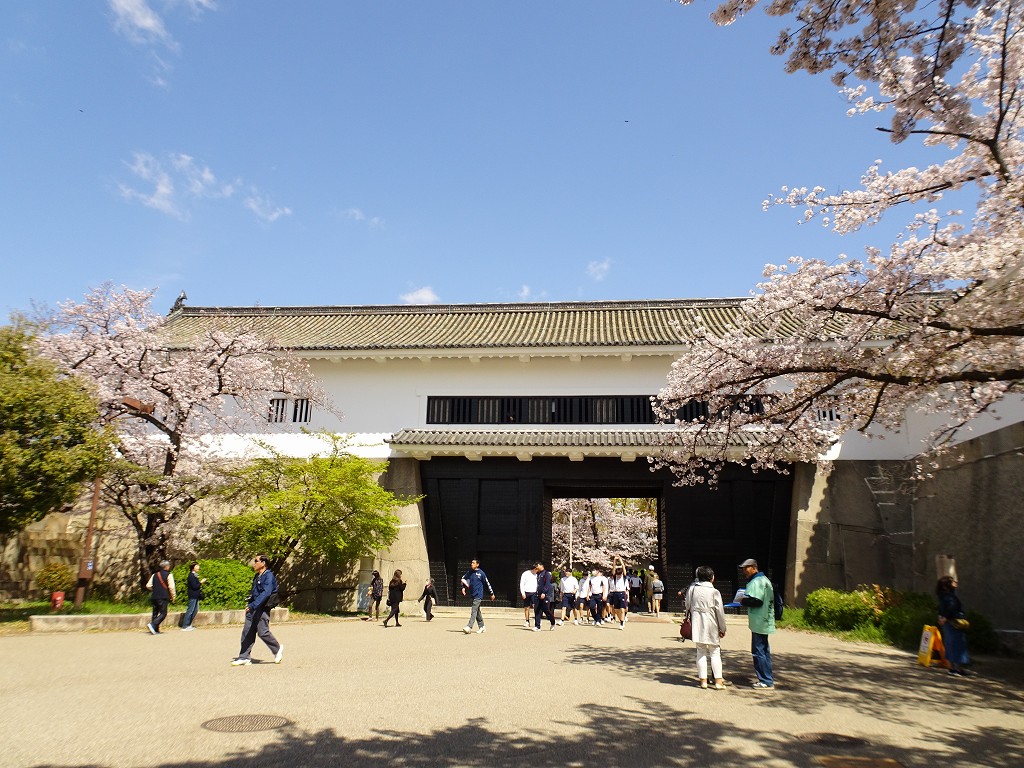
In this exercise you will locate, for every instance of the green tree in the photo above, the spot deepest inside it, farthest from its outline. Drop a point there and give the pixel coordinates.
(49, 437)
(328, 506)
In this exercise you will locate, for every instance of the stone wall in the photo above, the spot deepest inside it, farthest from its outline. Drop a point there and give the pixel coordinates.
(870, 522)
(973, 510)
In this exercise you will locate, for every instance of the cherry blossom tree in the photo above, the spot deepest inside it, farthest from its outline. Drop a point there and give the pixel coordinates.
(932, 322)
(167, 396)
(602, 529)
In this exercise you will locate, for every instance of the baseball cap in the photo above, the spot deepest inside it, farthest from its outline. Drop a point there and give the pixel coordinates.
(749, 562)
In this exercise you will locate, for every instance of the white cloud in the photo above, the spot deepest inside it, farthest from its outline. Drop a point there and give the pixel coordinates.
(598, 270)
(201, 180)
(424, 295)
(356, 214)
(524, 293)
(161, 196)
(139, 23)
(169, 183)
(264, 209)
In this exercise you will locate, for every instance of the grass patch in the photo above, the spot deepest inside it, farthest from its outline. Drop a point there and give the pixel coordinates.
(795, 619)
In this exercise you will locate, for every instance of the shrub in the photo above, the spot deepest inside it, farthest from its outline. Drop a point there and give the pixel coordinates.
(981, 637)
(227, 583)
(834, 610)
(903, 622)
(56, 577)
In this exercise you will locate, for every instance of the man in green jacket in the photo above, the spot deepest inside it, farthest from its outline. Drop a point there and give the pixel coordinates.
(759, 601)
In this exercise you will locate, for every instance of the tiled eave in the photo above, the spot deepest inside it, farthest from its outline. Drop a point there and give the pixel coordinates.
(574, 444)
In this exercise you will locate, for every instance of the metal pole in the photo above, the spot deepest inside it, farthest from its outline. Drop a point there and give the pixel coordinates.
(570, 538)
(85, 564)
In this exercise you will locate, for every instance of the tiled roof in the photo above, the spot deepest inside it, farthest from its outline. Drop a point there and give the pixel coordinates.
(553, 441)
(469, 326)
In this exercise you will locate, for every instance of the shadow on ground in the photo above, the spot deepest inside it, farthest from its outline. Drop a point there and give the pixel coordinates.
(850, 677)
(636, 735)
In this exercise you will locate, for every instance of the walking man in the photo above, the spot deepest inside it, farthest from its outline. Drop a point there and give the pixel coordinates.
(545, 597)
(528, 591)
(161, 585)
(760, 603)
(474, 582)
(262, 597)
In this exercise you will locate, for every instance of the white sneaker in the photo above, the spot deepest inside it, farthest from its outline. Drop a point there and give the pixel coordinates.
(279, 654)
(481, 630)
(151, 628)
(558, 622)
(526, 624)
(622, 625)
(536, 629)
(467, 630)
(553, 627)
(241, 663)
(576, 622)
(187, 629)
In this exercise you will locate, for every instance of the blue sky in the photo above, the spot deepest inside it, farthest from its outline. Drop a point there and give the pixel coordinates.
(249, 151)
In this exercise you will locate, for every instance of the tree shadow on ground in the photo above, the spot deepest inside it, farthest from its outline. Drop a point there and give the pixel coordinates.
(639, 733)
(848, 677)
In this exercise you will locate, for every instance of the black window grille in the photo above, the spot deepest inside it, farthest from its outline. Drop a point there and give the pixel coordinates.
(278, 410)
(563, 409)
(302, 410)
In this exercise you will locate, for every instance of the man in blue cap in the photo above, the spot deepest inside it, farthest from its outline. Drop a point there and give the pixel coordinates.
(759, 601)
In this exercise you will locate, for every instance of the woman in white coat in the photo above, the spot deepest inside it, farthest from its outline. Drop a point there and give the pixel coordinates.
(707, 616)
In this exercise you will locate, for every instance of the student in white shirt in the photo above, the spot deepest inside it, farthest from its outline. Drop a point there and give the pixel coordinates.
(598, 596)
(528, 591)
(618, 592)
(569, 585)
(583, 598)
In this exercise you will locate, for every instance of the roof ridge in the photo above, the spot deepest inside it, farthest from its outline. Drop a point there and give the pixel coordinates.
(477, 308)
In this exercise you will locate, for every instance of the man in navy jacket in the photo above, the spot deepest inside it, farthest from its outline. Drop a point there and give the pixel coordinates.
(474, 582)
(544, 602)
(257, 614)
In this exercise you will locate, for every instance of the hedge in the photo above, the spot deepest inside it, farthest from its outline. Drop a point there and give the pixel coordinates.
(227, 583)
(900, 616)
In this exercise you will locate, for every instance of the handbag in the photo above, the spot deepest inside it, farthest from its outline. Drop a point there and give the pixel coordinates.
(960, 623)
(686, 628)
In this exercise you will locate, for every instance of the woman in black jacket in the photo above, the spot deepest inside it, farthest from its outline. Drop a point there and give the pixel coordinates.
(396, 587)
(195, 594)
(429, 597)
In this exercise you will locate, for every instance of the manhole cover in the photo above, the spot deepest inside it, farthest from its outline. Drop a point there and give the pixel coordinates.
(833, 740)
(246, 723)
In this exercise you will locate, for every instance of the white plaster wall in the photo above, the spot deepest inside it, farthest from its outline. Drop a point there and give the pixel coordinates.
(392, 395)
(378, 397)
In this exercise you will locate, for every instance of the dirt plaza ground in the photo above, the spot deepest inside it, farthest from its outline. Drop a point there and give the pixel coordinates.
(350, 693)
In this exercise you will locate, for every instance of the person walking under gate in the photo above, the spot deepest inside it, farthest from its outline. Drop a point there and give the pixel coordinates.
(528, 592)
(569, 585)
(474, 583)
(618, 592)
(545, 597)
(598, 596)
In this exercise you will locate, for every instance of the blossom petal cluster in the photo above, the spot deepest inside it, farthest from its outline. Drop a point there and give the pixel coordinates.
(932, 322)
